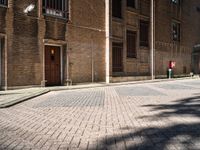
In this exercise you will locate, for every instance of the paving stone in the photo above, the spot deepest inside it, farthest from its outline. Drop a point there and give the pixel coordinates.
(116, 117)
(75, 99)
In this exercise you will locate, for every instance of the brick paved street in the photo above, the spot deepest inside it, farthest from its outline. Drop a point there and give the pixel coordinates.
(163, 115)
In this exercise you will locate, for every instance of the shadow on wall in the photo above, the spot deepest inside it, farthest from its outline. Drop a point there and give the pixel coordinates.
(176, 136)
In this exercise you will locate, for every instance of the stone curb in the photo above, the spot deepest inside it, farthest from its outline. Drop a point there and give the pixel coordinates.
(117, 84)
(22, 99)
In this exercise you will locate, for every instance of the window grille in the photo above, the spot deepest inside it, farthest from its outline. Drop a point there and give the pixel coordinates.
(3, 2)
(131, 44)
(58, 8)
(176, 31)
(175, 1)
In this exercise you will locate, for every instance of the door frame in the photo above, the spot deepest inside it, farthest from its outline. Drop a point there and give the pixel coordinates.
(61, 60)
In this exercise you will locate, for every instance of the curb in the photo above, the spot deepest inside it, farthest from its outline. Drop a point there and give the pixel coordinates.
(22, 99)
(118, 84)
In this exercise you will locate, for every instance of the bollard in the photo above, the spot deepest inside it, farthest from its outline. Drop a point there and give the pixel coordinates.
(170, 73)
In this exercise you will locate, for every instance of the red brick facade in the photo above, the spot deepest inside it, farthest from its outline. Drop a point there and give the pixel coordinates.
(82, 40)
(166, 49)
(24, 36)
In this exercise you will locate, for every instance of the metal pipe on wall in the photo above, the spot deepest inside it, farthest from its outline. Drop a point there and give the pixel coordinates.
(152, 40)
(1, 43)
(107, 49)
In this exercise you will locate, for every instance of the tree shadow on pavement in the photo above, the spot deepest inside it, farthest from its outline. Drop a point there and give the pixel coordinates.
(187, 106)
(174, 136)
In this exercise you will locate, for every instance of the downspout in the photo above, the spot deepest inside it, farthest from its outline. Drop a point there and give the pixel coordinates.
(152, 40)
(1, 41)
(92, 57)
(6, 61)
(107, 49)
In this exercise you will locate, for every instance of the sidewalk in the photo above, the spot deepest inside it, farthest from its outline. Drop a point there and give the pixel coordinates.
(12, 97)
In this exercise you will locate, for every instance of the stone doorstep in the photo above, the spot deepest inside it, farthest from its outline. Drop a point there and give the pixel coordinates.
(23, 98)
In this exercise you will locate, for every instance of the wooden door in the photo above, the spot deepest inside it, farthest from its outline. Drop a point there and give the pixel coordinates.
(52, 66)
(117, 57)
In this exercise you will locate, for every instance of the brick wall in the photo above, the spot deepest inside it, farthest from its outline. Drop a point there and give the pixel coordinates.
(138, 66)
(23, 51)
(86, 40)
(168, 50)
(2, 20)
(83, 37)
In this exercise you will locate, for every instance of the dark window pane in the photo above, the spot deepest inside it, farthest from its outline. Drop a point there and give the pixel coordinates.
(176, 31)
(144, 33)
(117, 8)
(3, 2)
(131, 44)
(175, 1)
(131, 3)
(117, 57)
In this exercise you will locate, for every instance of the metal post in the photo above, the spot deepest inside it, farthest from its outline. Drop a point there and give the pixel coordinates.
(152, 40)
(6, 61)
(107, 50)
(92, 57)
(0, 60)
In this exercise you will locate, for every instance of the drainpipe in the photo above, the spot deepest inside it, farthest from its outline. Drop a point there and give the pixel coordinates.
(68, 63)
(6, 61)
(1, 41)
(152, 40)
(107, 49)
(92, 57)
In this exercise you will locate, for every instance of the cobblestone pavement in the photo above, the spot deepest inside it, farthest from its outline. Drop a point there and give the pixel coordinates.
(164, 115)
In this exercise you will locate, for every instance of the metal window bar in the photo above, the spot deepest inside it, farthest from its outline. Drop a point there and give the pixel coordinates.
(131, 44)
(3, 2)
(117, 54)
(57, 8)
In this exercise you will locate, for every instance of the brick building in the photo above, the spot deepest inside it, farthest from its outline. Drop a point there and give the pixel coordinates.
(49, 45)
(92, 40)
(176, 32)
